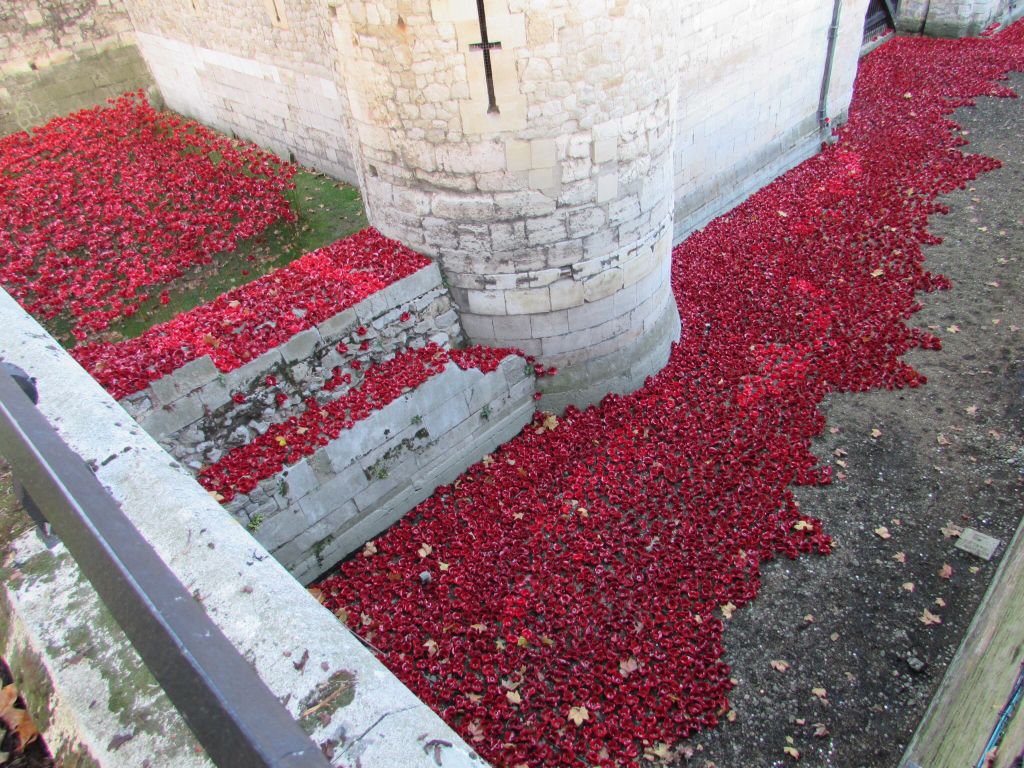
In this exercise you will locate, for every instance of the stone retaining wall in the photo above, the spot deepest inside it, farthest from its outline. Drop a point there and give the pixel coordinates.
(60, 57)
(315, 512)
(192, 413)
(954, 18)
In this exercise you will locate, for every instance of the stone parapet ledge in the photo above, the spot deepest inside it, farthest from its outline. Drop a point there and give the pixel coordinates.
(314, 513)
(302, 653)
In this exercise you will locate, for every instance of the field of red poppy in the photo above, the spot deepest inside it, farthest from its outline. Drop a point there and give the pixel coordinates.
(121, 216)
(581, 577)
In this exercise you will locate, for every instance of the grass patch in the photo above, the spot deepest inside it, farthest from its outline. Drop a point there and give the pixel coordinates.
(327, 211)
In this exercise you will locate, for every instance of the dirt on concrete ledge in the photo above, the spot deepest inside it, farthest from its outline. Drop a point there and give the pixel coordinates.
(862, 664)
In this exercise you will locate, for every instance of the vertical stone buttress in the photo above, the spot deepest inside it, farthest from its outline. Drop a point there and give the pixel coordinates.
(551, 217)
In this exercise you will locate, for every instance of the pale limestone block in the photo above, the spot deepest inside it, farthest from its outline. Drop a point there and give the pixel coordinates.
(550, 324)
(411, 201)
(528, 301)
(526, 203)
(578, 193)
(487, 302)
(602, 285)
(542, 277)
(606, 150)
(543, 153)
(477, 326)
(507, 236)
(518, 156)
(542, 178)
(547, 229)
(586, 222)
(607, 187)
(638, 267)
(463, 207)
(566, 293)
(481, 157)
(512, 327)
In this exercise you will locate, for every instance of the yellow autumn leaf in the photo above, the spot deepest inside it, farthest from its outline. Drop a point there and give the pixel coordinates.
(821, 693)
(780, 665)
(882, 532)
(513, 697)
(425, 550)
(728, 609)
(578, 715)
(928, 618)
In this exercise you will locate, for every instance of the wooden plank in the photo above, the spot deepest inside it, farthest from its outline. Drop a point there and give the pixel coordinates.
(959, 720)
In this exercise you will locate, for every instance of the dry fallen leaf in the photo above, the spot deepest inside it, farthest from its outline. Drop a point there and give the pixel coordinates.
(900, 557)
(431, 646)
(369, 549)
(578, 715)
(18, 720)
(728, 609)
(908, 586)
(792, 752)
(628, 666)
(657, 751)
(953, 329)
(821, 693)
(927, 617)
(425, 550)
(780, 665)
(971, 410)
(443, 566)
(946, 571)
(513, 697)
(803, 525)
(820, 730)
(940, 602)
(876, 433)
(943, 440)
(882, 532)
(878, 272)
(951, 531)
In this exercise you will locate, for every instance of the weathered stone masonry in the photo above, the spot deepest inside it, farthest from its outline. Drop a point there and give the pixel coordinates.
(59, 57)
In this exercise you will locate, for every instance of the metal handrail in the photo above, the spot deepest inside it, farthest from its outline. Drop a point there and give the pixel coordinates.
(232, 713)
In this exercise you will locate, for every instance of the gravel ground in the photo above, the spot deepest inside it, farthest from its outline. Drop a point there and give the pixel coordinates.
(862, 664)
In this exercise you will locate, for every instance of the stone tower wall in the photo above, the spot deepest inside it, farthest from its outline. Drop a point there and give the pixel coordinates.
(59, 56)
(264, 70)
(551, 218)
(750, 77)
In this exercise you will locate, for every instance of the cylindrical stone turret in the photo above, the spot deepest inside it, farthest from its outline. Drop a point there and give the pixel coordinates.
(527, 145)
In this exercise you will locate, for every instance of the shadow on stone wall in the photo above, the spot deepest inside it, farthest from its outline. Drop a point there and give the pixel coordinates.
(32, 97)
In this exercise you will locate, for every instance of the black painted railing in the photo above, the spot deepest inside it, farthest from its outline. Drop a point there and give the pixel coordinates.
(233, 714)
